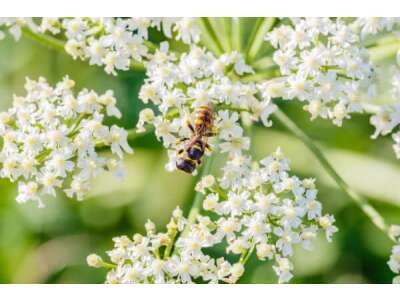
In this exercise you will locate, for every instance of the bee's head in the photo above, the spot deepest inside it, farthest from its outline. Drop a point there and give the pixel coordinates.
(186, 165)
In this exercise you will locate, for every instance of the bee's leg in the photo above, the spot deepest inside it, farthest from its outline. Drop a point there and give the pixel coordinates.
(212, 132)
(198, 162)
(207, 147)
(180, 151)
(190, 126)
(180, 140)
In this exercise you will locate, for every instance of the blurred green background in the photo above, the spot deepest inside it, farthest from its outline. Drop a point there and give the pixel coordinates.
(50, 245)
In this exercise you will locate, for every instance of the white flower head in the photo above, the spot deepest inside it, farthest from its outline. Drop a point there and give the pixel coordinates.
(55, 135)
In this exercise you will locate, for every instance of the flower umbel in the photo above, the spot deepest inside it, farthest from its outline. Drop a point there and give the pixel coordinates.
(50, 134)
(255, 207)
(322, 63)
(149, 259)
(178, 86)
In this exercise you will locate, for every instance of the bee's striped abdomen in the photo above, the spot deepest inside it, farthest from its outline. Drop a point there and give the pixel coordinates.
(204, 119)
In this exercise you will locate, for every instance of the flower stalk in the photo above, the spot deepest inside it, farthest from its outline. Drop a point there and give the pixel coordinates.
(263, 25)
(198, 199)
(375, 217)
(43, 39)
(216, 43)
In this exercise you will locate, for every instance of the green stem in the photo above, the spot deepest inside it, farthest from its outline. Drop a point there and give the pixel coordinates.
(247, 123)
(266, 74)
(132, 136)
(213, 35)
(228, 33)
(263, 25)
(384, 50)
(108, 265)
(263, 63)
(44, 39)
(150, 45)
(236, 34)
(76, 125)
(247, 254)
(198, 199)
(172, 236)
(358, 199)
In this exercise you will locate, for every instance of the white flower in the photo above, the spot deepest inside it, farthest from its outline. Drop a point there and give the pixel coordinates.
(29, 192)
(291, 214)
(394, 262)
(205, 183)
(79, 187)
(308, 235)
(211, 202)
(118, 141)
(228, 126)
(286, 240)
(265, 250)
(187, 30)
(50, 182)
(283, 269)
(145, 116)
(109, 101)
(326, 222)
(236, 271)
(237, 203)
(387, 118)
(227, 228)
(256, 227)
(235, 146)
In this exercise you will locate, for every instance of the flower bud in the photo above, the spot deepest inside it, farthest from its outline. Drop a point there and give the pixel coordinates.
(95, 261)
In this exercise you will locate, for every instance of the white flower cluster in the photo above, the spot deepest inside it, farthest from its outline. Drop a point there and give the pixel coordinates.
(387, 118)
(14, 26)
(385, 121)
(263, 210)
(394, 261)
(155, 259)
(116, 43)
(372, 26)
(261, 206)
(51, 134)
(177, 86)
(322, 63)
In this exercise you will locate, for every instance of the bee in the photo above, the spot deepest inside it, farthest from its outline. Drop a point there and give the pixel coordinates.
(190, 155)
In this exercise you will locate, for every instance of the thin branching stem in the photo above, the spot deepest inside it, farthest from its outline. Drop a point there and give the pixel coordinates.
(236, 34)
(44, 39)
(228, 33)
(357, 198)
(262, 26)
(216, 43)
(199, 197)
